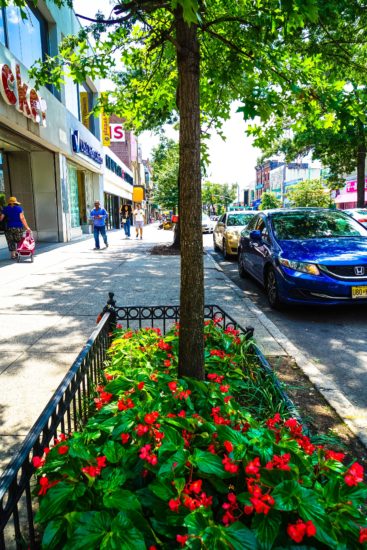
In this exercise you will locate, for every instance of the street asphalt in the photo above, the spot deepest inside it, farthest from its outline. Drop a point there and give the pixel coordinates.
(49, 308)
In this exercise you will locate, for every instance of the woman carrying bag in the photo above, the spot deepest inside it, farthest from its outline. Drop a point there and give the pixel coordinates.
(125, 219)
(15, 224)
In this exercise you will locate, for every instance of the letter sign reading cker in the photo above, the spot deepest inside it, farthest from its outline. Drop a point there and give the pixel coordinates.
(117, 132)
(25, 99)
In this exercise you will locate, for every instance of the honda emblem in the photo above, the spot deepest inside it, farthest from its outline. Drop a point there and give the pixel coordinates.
(359, 270)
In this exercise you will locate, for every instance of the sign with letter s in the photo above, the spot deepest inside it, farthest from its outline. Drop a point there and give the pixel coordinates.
(117, 132)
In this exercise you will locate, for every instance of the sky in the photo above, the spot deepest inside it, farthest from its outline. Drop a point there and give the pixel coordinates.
(232, 161)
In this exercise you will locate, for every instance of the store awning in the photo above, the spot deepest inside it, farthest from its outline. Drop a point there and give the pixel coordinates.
(345, 198)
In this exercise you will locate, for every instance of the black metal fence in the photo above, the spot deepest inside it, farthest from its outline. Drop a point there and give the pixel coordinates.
(67, 411)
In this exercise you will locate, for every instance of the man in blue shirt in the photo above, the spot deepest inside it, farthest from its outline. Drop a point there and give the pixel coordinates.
(99, 216)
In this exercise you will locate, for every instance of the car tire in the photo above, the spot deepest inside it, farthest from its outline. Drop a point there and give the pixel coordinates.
(241, 270)
(272, 290)
(216, 247)
(226, 256)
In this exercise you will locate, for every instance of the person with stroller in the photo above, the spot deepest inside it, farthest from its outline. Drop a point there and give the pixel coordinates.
(15, 225)
(99, 216)
(125, 220)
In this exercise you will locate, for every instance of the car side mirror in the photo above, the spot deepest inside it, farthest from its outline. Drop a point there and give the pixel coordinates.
(255, 235)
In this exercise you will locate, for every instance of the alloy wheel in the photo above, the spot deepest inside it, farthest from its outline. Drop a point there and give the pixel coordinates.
(272, 291)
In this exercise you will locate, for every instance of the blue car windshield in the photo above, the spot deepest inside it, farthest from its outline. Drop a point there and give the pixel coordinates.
(315, 225)
(239, 219)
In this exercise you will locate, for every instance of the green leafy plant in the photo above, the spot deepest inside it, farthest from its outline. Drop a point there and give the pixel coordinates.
(309, 193)
(269, 200)
(167, 462)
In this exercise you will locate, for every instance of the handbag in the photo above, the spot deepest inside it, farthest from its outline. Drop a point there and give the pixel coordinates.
(3, 225)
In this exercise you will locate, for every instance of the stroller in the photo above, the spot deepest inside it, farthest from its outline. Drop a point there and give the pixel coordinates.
(26, 247)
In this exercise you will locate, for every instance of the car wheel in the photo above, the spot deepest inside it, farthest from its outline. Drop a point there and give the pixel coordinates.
(226, 256)
(272, 291)
(216, 247)
(241, 270)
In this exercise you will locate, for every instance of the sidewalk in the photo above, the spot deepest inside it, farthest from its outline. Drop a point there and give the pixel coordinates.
(49, 308)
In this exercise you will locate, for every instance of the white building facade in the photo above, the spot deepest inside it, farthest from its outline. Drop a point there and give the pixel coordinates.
(51, 157)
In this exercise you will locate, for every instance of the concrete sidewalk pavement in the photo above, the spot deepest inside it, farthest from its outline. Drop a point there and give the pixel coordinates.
(49, 308)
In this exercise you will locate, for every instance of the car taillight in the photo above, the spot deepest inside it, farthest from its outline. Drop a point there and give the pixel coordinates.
(362, 220)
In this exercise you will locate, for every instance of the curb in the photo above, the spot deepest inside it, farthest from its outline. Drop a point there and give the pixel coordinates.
(334, 397)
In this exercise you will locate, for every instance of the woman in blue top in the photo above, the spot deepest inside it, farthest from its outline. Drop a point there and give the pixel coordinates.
(15, 221)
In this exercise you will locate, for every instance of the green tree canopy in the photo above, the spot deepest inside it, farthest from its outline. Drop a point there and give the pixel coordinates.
(188, 60)
(269, 200)
(309, 193)
(217, 197)
(165, 163)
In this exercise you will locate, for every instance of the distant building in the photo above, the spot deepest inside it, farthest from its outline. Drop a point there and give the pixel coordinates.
(278, 177)
(263, 176)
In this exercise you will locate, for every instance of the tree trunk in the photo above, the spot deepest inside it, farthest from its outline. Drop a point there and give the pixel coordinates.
(361, 175)
(176, 230)
(191, 346)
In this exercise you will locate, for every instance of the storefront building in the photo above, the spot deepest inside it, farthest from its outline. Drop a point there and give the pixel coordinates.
(347, 197)
(49, 159)
(118, 187)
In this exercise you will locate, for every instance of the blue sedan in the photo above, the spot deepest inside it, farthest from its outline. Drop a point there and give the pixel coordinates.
(306, 255)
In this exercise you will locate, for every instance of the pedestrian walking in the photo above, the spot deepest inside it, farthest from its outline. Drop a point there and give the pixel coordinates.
(15, 225)
(99, 216)
(139, 218)
(125, 219)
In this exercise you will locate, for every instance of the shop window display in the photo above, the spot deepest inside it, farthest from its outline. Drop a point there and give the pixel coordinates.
(73, 196)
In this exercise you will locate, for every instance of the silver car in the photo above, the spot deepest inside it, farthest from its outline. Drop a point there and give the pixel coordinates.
(207, 224)
(359, 214)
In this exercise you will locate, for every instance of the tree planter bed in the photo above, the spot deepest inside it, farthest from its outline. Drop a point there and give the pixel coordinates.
(157, 462)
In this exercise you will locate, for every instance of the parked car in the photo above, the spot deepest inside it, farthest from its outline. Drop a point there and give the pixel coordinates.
(306, 255)
(207, 224)
(359, 214)
(228, 229)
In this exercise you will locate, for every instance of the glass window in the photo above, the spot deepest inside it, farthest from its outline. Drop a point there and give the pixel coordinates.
(2, 183)
(2, 27)
(87, 101)
(252, 223)
(26, 38)
(261, 226)
(72, 97)
(238, 219)
(73, 196)
(315, 225)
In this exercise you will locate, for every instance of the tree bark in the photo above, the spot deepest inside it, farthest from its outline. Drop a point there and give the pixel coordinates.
(177, 230)
(361, 175)
(191, 346)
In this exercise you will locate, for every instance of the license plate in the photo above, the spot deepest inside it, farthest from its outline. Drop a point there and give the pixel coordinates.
(359, 291)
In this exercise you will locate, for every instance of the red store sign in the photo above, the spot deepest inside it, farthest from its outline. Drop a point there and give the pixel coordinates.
(351, 186)
(25, 99)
